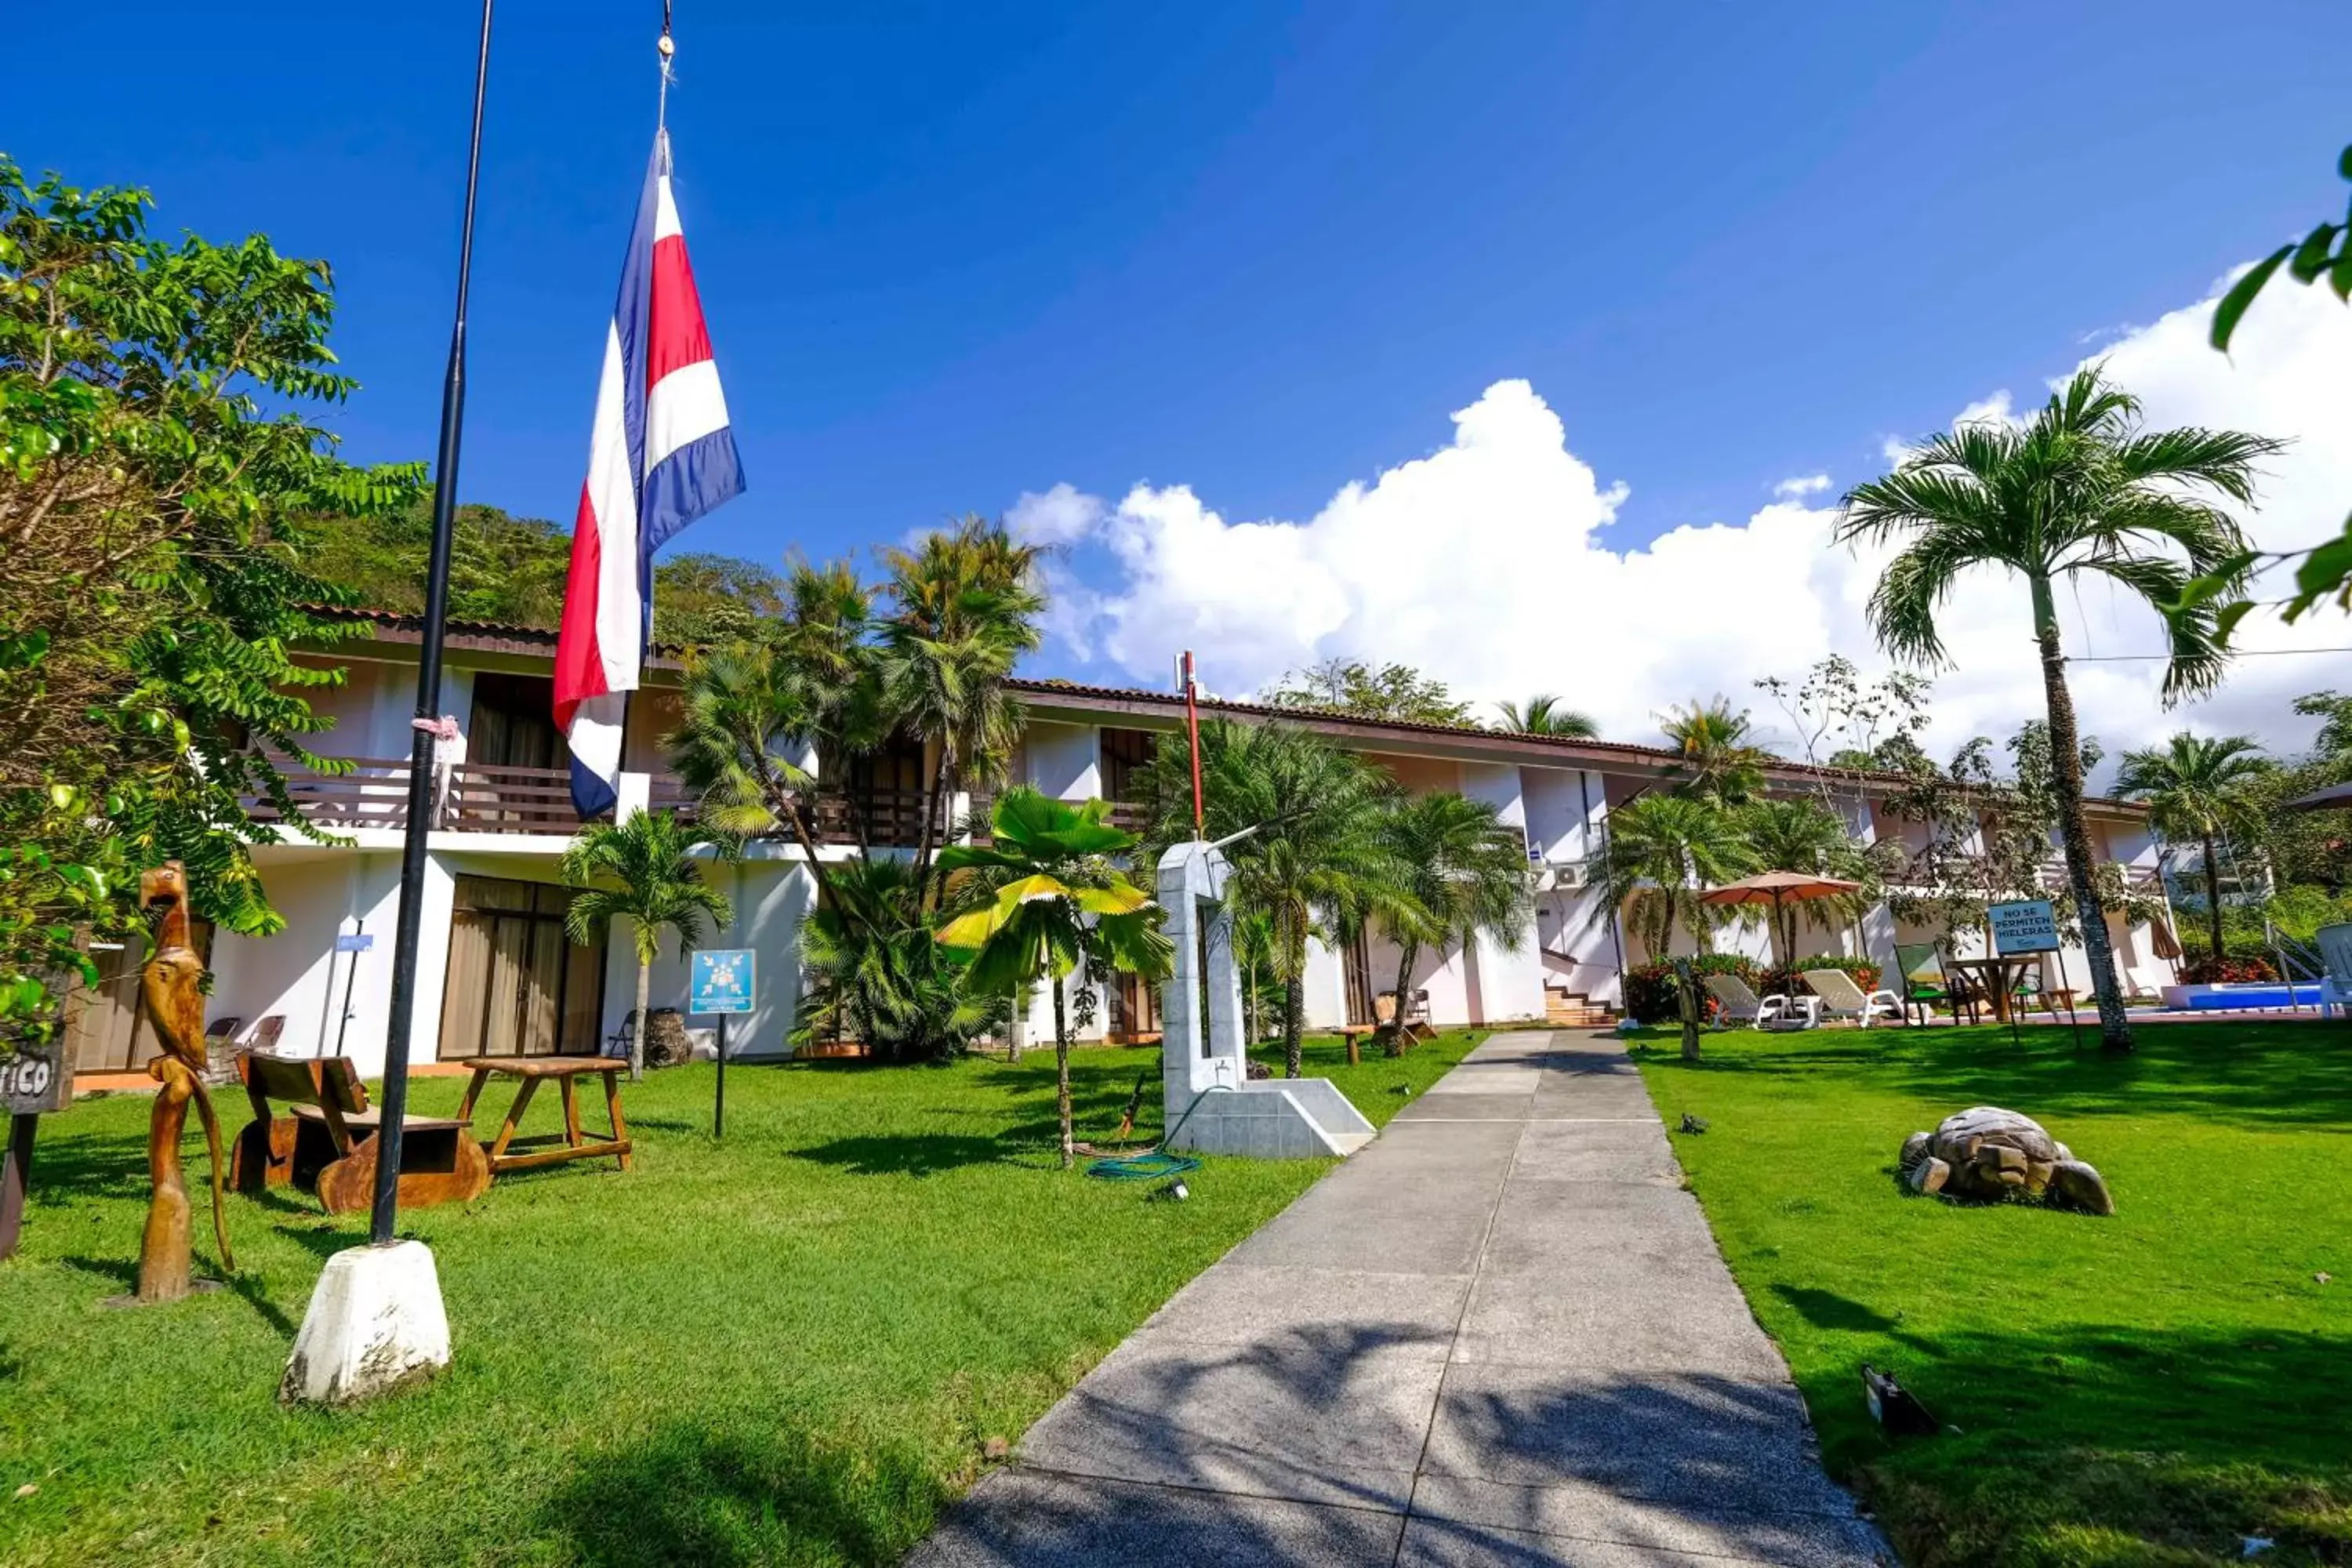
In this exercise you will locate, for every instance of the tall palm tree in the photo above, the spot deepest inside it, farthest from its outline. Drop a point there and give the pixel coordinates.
(1546, 715)
(2080, 487)
(1718, 759)
(2195, 788)
(1662, 852)
(1044, 900)
(1793, 834)
(1462, 873)
(966, 601)
(1317, 858)
(643, 868)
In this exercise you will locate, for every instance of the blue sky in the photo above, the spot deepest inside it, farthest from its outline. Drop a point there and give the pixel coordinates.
(954, 253)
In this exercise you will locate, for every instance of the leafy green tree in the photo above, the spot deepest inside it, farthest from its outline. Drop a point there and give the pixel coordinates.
(1718, 754)
(2195, 789)
(1662, 851)
(1044, 900)
(158, 454)
(2081, 488)
(1462, 872)
(510, 571)
(1544, 714)
(1318, 859)
(2324, 572)
(645, 870)
(1391, 692)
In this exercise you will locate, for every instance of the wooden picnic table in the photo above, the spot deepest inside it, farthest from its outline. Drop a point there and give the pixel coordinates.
(531, 1071)
(1999, 975)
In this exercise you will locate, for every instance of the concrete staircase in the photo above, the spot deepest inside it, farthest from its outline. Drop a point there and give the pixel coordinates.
(1575, 1010)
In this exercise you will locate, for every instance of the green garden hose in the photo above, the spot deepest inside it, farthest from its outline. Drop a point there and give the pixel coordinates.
(1151, 1165)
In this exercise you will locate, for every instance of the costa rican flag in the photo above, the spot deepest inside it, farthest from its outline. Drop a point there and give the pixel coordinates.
(660, 457)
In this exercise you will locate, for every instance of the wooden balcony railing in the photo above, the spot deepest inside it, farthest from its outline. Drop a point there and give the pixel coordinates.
(375, 793)
(484, 797)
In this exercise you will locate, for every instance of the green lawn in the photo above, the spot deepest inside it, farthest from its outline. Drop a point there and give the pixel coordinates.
(2145, 1389)
(789, 1348)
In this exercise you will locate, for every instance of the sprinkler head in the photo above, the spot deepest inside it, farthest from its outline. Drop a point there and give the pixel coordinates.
(1175, 1190)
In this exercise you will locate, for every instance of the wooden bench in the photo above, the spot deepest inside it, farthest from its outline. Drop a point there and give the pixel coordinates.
(329, 1144)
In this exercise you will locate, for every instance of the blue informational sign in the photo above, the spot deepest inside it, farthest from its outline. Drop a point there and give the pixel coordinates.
(2028, 925)
(354, 941)
(723, 980)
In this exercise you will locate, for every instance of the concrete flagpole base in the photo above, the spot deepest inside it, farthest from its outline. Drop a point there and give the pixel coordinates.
(376, 1326)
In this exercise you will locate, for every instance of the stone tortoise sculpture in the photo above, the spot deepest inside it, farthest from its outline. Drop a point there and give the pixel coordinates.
(1988, 1152)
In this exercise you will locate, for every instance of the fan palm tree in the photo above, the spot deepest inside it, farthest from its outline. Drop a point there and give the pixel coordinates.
(966, 605)
(2195, 788)
(2081, 488)
(1662, 852)
(643, 868)
(1546, 715)
(1042, 899)
(1717, 758)
(1317, 858)
(1462, 873)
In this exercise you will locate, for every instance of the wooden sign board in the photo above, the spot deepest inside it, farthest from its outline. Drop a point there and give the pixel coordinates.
(37, 1081)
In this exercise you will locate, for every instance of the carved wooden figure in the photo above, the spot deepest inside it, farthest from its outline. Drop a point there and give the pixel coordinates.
(176, 1008)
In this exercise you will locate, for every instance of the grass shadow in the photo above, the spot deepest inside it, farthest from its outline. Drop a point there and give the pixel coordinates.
(2182, 1442)
(918, 1154)
(687, 1493)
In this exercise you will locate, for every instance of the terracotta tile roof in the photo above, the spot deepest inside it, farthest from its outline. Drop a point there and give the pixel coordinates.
(493, 637)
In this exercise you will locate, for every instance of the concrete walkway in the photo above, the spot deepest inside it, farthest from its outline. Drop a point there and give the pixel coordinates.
(1500, 1334)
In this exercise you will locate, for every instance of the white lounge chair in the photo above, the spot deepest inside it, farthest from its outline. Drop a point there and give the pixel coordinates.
(1742, 1005)
(1842, 999)
(2334, 944)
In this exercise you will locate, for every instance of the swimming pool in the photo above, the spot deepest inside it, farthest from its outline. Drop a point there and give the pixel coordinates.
(2209, 998)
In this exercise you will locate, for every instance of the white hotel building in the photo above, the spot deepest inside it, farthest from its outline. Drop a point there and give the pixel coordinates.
(499, 976)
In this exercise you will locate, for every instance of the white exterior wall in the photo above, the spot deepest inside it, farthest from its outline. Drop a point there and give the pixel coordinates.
(1065, 761)
(771, 895)
(1576, 942)
(1505, 983)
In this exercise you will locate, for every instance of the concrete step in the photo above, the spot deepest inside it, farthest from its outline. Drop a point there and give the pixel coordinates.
(1350, 1142)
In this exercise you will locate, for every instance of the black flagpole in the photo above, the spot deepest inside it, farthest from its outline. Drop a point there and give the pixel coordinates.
(408, 926)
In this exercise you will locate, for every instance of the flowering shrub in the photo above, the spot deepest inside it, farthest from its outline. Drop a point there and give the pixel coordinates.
(1649, 987)
(2227, 972)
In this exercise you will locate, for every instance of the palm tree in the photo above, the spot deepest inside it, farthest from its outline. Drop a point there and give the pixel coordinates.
(2081, 488)
(1546, 715)
(1806, 836)
(1317, 858)
(643, 869)
(967, 602)
(1463, 872)
(2195, 788)
(1718, 760)
(1044, 900)
(876, 974)
(1662, 851)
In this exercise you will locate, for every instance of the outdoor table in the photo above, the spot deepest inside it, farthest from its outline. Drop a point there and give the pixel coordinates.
(531, 1070)
(1999, 975)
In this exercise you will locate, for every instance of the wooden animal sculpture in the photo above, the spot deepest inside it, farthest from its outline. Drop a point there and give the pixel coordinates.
(176, 1009)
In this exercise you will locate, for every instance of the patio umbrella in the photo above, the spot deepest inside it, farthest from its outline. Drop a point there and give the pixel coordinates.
(1777, 887)
(2160, 937)
(2329, 799)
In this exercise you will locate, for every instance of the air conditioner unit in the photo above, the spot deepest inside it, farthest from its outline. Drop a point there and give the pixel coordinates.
(1566, 875)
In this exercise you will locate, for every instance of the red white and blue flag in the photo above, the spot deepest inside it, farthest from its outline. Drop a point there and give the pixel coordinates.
(660, 457)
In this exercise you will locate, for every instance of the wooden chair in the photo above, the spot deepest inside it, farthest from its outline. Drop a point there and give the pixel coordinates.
(328, 1145)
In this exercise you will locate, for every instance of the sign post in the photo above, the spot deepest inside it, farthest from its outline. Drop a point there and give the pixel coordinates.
(2026, 926)
(724, 980)
(37, 1079)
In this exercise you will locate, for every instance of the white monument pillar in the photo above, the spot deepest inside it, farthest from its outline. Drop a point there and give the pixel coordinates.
(1207, 1096)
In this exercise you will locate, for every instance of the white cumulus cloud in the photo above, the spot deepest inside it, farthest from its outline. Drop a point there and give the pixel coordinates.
(1486, 565)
